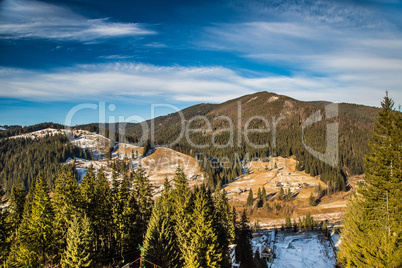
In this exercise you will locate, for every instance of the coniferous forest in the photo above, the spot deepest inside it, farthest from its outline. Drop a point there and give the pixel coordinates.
(53, 220)
(288, 115)
(95, 225)
(372, 234)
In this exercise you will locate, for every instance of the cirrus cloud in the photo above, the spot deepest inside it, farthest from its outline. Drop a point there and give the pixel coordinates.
(129, 82)
(34, 19)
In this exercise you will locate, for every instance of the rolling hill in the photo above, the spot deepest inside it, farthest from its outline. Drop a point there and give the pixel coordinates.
(221, 133)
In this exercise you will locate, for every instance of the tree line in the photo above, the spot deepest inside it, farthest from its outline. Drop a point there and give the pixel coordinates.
(86, 225)
(21, 159)
(101, 224)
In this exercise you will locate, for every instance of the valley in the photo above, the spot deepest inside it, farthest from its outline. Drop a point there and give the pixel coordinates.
(161, 162)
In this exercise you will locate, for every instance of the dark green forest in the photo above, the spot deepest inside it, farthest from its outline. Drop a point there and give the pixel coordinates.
(17, 130)
(354, 125)
(372, 235)
(52, 220)
(95, 225)
(21, 159)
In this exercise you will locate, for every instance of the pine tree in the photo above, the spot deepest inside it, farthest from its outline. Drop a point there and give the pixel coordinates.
(288, 194)
(66, 203)
(41, 222)
(34, 244)
(143, 196)
(225, 225)
(126, 222)
(319, 190)
(259, 193)
(20, 255)
(250, 198)
(103, 217)
(16, 207)
(372, 236)
(182, 203)
(300, 223)
(204, 248)
(288, 222)
(281, 194)
(4, 228)
(147, 147)
(10, 219)
(325, 228)
(244, 251)
(160, 244)
(312, 200)
(87, 192)
(79, 251)
(117, 209)
(264, 194)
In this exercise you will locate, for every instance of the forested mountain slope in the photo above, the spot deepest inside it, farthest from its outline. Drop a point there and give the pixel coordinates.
(224, 125)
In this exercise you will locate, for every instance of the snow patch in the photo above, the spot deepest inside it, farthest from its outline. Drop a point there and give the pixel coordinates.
(251, 99)
(273, 98)
(310, 249)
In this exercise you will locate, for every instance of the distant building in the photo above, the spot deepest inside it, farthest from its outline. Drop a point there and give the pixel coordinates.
(232, 250)
(263, 242)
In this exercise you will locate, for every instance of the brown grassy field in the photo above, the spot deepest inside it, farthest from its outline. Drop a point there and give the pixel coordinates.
(164, 162)
(274, 211)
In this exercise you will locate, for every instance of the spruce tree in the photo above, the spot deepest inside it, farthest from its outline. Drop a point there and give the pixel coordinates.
(103, 217)
(250, 198)
(4, 228)
(281, 194)
(244, 252)
(16, 207)
(160, 245)
(300, 223)
(143, 196)
(88, 194)
(372, 236)
(116, 211)
(34, 244)
(225, 225)
(147, 147)
(264, 194)
(325, 228)
(20, 255)
(183, 203)
(312, 200)
(259, 193)
(204, 248)
(79, 251)
(126, 221)
(10, 219)
(66, 203)
(288, 222)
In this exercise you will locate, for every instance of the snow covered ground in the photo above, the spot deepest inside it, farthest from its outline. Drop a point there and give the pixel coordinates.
(51, 132)
(307, 249)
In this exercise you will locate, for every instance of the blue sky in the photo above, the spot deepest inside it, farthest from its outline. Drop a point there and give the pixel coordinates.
(55, 55)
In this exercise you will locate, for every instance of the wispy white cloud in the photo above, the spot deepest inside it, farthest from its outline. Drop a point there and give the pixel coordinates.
(127, 80)
(338, 51)
(34, 19)
(181, 84)
(332, 52)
